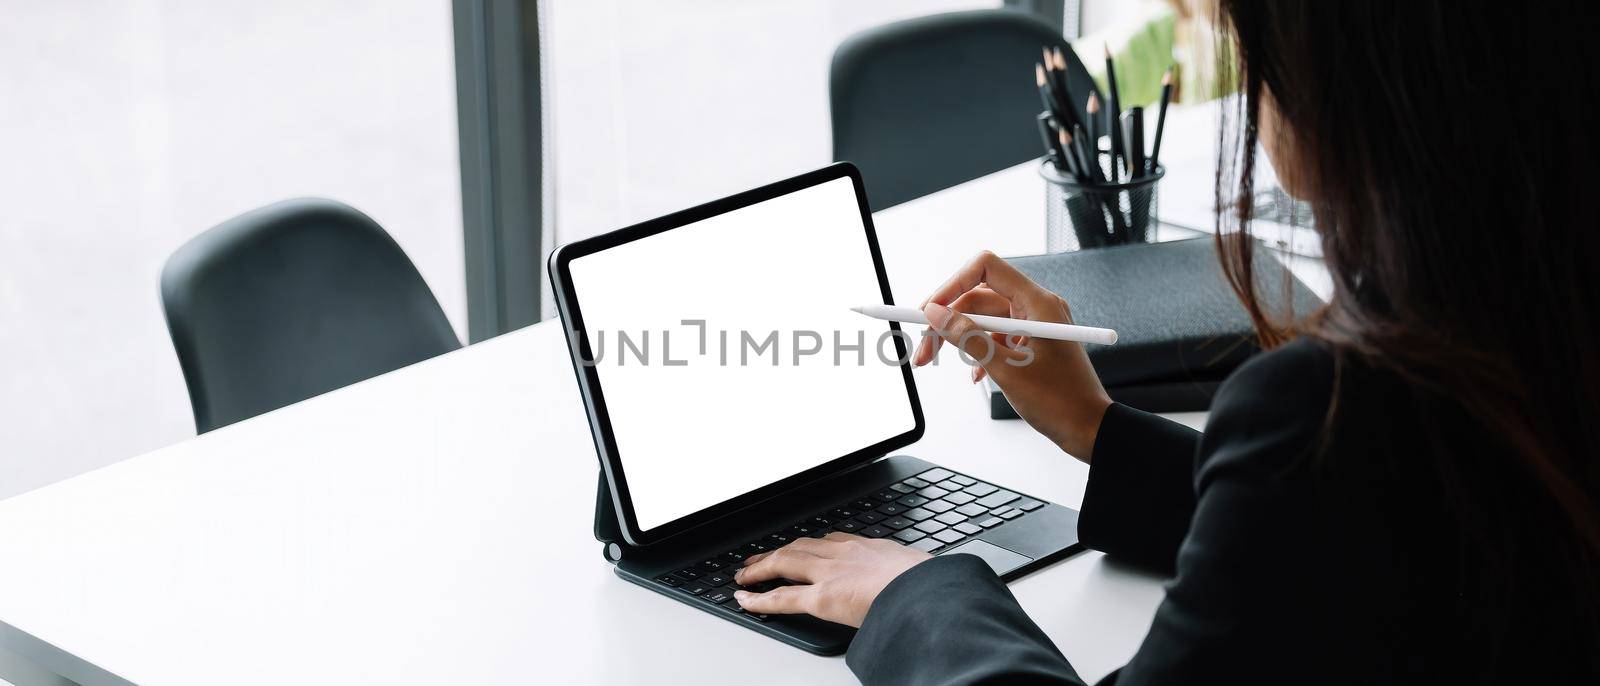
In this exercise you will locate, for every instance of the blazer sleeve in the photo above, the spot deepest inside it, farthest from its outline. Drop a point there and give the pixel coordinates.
(950, 620)
(1140, 496)
(1237, 610)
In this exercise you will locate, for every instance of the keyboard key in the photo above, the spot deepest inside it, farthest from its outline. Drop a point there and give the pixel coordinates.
(802, 530)
(689, 574)
(864, 504)
(897, 523)
(893, 509)
(951, 518)
(926, 545)
(940, 506)
(930, 526)
(936, 475)
(963, 480)
(718, 595)
(981, 489)
(842, 513)
(972, 509)
(755, 548)
(967, 528)
(887, 495)
(1001, 511)
(902, 488)
(1027, 504)
(871, 517)
(932, 492)
(912, 500)
(777, 540)
(1011, 514)
(848, 526)
(876, 531)
(735, 557)
(914, 482)
(711, 565)
(694, 588)
(960, 498)
(820, 522)
(991, 522)
(997, 498)
(909, 535)
(756, 616)
(917, 514)
(717, 579)
(949, 535)
(670, 580)
(949, 485)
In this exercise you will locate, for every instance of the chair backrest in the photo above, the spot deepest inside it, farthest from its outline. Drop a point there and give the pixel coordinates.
(927, 103)
(292, 300)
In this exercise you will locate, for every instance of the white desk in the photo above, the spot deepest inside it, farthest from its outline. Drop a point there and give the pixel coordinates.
(432, 525)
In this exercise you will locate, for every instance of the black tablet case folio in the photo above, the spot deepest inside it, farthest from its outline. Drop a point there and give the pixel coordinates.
(1180, 328)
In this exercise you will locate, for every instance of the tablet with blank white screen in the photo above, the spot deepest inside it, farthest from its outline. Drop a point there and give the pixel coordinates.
(721, 352)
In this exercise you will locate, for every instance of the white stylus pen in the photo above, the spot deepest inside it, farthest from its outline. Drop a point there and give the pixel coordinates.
(1006, 325)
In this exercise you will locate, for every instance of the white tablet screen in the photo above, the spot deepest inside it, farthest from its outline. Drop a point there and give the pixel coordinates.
(765, 379)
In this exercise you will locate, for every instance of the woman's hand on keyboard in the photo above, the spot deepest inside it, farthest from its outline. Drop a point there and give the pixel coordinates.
(839, 576)
(1050, 383)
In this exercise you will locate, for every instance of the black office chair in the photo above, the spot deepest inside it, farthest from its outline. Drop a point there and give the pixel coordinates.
(292, 300)
(928, 103)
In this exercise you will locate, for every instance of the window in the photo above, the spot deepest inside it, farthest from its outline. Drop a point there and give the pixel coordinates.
(128, 127)
(658, 106)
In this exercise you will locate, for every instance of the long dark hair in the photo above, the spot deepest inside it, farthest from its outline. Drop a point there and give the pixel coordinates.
(1448, 151)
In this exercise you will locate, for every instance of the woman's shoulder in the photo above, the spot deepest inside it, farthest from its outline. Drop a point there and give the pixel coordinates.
(1285, 383)
(1272, 411)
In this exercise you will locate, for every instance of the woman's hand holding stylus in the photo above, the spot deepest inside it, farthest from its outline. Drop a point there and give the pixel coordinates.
(1050, 383)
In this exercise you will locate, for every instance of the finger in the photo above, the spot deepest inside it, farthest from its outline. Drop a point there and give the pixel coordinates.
(980, 348)
(783, 563)
(784, 600)
(807, 546)
(927, 347)
(841, 537)
(987, 268)
(980, 300)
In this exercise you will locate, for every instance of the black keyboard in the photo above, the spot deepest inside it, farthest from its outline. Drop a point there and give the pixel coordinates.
(930, 511)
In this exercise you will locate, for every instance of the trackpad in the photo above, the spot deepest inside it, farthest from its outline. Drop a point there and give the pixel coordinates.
(999, 559)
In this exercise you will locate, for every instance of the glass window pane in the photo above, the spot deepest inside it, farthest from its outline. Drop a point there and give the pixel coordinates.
(129, 126)
(661, 105)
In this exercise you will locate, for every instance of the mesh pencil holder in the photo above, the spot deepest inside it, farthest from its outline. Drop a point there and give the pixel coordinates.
(1081, 216)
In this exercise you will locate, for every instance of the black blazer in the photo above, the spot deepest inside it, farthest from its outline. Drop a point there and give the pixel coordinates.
(1287, 567)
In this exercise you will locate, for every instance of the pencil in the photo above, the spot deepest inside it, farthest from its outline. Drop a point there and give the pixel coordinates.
(1074, 149)
(1133, 126)
(1056, 76)
(1113, 112)
(1092, 108)
(1090, 170)
(1063, 162)
(1045, 95)
(1161, 119)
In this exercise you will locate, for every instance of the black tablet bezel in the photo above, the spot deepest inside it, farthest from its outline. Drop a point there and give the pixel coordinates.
(579, 349)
